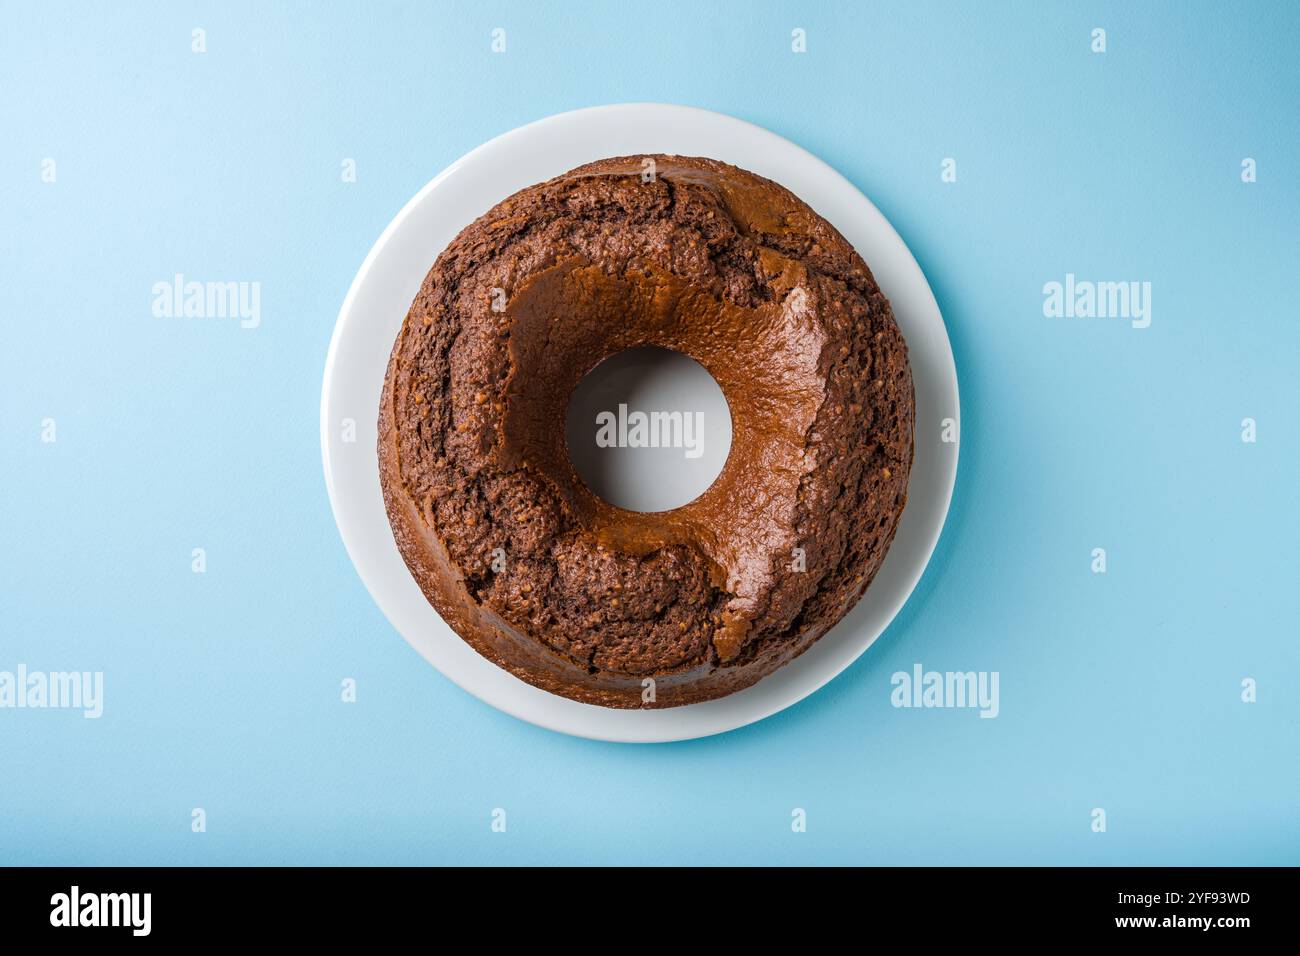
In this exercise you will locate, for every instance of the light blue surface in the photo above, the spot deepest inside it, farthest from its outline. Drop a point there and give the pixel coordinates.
(1119, 691)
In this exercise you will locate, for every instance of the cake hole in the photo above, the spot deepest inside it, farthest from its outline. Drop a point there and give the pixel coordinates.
(648, 429)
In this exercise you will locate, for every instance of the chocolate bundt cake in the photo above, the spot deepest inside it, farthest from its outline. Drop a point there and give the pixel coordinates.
(623, 608)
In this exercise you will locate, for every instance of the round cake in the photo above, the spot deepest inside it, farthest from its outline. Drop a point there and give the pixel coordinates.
(556, 585)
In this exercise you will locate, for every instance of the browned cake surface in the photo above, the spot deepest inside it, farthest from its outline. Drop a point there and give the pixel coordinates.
(721, 265)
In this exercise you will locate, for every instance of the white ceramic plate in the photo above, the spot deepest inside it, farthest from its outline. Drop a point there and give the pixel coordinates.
(392, 273)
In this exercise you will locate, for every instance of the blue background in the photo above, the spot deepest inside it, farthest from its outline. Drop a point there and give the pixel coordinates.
(1119, 691)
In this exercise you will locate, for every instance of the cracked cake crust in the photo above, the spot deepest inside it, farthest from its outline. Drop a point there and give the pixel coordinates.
(588, 600)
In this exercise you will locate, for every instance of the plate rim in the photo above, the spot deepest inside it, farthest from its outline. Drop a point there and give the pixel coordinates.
(581, 726)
